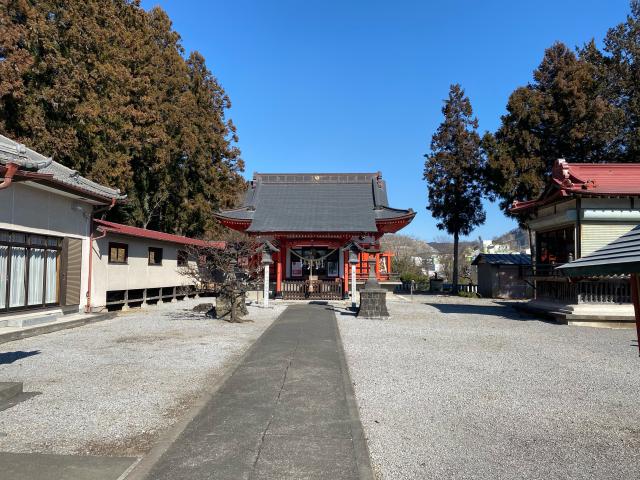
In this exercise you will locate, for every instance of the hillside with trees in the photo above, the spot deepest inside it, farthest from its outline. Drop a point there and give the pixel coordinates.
(517, 239)
(106, 88)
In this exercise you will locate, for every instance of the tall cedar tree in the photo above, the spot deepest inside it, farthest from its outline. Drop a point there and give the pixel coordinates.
(454, 170)
(104, 87)
(583, 106)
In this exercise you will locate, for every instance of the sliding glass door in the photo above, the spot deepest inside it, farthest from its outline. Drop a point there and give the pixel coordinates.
(29, 270)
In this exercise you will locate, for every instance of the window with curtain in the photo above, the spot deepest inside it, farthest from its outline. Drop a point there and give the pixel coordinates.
(36, 276)
(51, 284)
(29, 270)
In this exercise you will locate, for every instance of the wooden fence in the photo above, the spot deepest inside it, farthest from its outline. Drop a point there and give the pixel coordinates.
(312, 289)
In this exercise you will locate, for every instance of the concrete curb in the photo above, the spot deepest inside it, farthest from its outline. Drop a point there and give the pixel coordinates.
(145, 464)
(54, 327)
(360, 447)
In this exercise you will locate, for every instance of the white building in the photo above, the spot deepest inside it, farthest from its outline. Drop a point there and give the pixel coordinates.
(46, 270)
(135, 267)
(45, 225)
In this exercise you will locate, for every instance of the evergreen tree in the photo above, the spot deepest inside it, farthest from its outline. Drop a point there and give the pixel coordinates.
(453, 170)
(564, 113)
(105, 88)
(620, 66)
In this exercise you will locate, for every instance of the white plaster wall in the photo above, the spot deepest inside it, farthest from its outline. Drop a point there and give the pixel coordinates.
(608, 203)
(30, 208)
(136, 273)
(557, 208)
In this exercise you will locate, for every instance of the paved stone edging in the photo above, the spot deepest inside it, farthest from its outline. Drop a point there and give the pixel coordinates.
(55, 326)
(360, 446)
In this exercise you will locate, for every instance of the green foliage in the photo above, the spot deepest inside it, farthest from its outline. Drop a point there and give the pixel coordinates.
(469, 295)
(104, 87)
(454, 171)
(582, 105)
(404, 265)
(415, 277)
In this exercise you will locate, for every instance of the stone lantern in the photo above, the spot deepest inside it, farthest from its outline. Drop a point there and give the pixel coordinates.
(373, 298)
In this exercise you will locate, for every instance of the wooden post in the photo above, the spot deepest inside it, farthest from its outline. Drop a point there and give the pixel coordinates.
(635, 296)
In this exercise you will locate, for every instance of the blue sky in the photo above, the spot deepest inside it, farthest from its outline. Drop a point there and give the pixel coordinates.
(343, 86)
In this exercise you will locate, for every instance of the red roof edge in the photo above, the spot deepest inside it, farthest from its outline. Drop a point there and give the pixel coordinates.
(137, 232)
(591, 179)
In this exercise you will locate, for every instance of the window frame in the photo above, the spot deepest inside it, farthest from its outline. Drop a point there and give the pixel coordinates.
(118, 245)
(156, 250)
(50, 243)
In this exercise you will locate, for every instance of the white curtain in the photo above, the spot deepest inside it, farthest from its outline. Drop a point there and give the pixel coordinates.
(3, 275)
(36, 276)
(51, 293)
(18, 271)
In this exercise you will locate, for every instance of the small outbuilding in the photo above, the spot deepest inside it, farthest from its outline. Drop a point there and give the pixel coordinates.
(503, 275)
(134, 266)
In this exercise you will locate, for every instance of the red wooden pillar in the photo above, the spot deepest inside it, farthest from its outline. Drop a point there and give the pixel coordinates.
(635, 296)
(345, 273)
(282, 256)
(378, 266)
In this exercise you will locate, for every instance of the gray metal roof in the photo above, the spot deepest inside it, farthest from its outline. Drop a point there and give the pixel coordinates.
(329, 202)
(618, 257)
(503, 259)
(27, 159)
(313, 207)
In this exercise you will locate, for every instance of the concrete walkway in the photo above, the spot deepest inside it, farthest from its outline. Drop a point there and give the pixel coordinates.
(287, 411)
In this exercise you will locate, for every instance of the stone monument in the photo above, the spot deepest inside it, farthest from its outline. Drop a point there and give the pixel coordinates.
(373, 298)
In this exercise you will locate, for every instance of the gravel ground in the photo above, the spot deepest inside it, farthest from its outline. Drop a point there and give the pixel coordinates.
(453, 388)
(112, 387)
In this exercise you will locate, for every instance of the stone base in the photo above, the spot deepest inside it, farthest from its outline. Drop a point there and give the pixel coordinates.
(586, 314)
(223, 307)
(373, 303)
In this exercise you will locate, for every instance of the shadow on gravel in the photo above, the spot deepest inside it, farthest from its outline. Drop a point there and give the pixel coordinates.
(10, 357)
(499, 309)
(347, 312)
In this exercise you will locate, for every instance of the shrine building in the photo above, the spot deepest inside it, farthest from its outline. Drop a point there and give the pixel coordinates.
(312, 221)
(584, 207)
